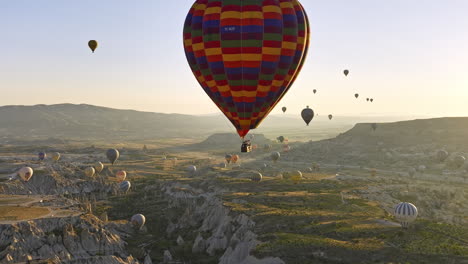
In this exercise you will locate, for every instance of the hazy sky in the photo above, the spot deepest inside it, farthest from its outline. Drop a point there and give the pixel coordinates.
(410, 55)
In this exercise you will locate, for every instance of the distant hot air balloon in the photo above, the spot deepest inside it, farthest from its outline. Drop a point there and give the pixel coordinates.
(192, 169)
(330, 116)
(372, 100)
(356, 95)
(346, 72)
(228, 158)
(314, 91)
(307, 115)
(125, 186)
(42, 155)
(138, 221)
(295, 176)
(459, 161)
(234, 158)
(256, 177)
(93, 44)
(406, 213)
(246, 56)
(280, 139)
(112, 155)
(367, 99)
(25, 173)
(442, 155)
(275, 156)
(89, 172)
(98, 166)
(55, 156)
(284, 109)
(121, 175)
(374, 126)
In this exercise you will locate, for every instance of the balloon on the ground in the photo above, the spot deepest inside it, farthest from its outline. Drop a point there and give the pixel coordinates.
(286, 148)
(93, 44)
(112, 155)
(307, 115)
(406, 213)
(25, 173)
(138, 220)
(246, 61)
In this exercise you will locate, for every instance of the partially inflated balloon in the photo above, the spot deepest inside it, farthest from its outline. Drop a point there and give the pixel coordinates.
(284, 109)
(98, 166)
(93, 44)
(25, 173)
(55, 156)
(346, 72)
(112, 155)
(307, 115)
(246, 54)
(330, 117)
(89, 172)
(121, 175)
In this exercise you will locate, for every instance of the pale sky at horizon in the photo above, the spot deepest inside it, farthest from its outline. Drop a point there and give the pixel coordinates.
(411, 56)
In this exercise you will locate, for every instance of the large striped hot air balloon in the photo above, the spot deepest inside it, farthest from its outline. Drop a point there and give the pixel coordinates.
(406, 213)
(246, 54)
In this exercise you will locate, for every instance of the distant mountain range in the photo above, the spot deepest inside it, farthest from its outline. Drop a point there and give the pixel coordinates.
(88, 122)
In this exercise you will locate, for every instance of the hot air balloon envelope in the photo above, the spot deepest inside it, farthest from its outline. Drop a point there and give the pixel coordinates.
(246, 54)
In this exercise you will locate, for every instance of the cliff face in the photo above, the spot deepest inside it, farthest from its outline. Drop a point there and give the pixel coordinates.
(78, 239)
